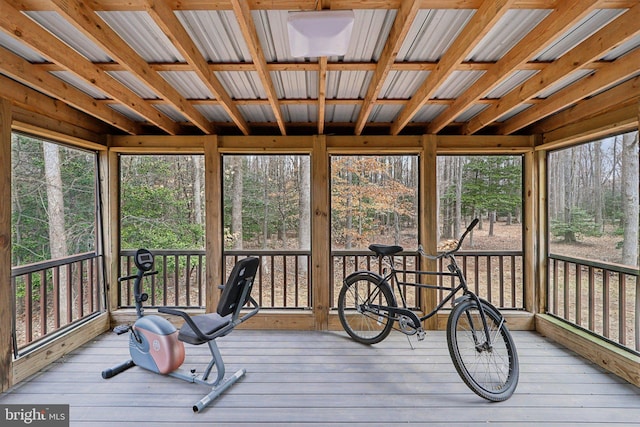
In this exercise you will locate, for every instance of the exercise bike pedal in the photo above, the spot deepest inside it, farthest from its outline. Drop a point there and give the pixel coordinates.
(121, 329)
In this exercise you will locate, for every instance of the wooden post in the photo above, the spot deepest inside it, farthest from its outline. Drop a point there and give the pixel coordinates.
(428, 212)
(531, 192)
(320, 236)
(213, 221)
(112, 228)
(6, 295)
(541, 281)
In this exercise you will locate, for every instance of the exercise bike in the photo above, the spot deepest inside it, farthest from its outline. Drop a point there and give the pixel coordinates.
(156, 345)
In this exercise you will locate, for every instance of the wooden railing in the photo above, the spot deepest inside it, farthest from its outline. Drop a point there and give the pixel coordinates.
(495, 276)
(284, 282)
(602, 298)
(51, 295)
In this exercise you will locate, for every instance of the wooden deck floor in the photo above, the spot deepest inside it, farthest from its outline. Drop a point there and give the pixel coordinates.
(326, 379)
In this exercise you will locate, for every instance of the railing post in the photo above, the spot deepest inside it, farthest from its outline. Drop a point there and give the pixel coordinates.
(428, 232)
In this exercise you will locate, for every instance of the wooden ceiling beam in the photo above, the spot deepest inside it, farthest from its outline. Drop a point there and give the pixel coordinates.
(322, 93)
(28, 74)
(617, 71)
(404, 19)
(92, 26)
(18, 25)
(615, 33)
(171, 26)
(628, 91)
(482, 21)
(566, 15)
(245, 21)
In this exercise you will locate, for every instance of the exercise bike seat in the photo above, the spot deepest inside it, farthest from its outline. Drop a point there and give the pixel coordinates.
(235, 295)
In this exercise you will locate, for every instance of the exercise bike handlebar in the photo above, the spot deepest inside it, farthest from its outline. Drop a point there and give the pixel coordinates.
(454, 250)
(133, 276)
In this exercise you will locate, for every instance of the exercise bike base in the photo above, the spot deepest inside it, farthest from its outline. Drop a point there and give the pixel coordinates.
(218, 390)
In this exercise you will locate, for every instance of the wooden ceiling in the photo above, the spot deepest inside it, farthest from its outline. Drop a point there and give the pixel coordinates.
(394, 94)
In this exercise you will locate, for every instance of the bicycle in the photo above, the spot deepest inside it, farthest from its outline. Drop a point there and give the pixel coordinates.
(480, 344)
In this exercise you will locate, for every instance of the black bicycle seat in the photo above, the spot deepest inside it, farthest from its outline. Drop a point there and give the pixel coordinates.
(382, 250)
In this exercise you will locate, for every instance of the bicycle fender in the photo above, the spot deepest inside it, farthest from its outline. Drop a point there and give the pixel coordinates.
(483, 301)
(373, 276)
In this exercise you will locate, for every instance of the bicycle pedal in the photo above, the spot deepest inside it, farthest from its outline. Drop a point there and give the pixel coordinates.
(121, 329)
(421, 334)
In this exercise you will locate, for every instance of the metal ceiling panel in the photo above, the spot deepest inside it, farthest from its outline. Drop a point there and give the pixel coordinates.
(343, 113)
(242, 84)
(20, 49)
(514, 112)
(563, 83)
(257, 113)
(514, 80)
(579, 32)
(135, 84)
(271, 26)
(214, 113)
(80, 84)
(402, 84)
(69, 34)
(623, 49)
(170, 112)
(471, 112)
(217, 34)
(508, 31)
(303, 113)
(384, 113)
(370, 32)
(432, 32)
(143, 35)
(457, 83)
(188, 84)
(125, 111)
(428, 113)
(295, 84)
(348, 84)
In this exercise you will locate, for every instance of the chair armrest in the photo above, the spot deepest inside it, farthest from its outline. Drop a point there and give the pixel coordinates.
(187, 319)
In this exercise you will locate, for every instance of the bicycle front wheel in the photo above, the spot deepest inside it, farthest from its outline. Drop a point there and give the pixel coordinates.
(490, 369)
(363, 308)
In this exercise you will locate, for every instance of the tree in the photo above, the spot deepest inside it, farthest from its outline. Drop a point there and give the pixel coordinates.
(630, 199)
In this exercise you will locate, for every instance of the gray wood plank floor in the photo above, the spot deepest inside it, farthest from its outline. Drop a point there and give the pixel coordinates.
(326, 379)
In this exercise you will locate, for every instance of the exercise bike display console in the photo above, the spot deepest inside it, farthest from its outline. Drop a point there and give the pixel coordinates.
(157, 346)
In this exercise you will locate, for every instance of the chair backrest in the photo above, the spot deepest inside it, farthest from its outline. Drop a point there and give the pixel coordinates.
(238, 288)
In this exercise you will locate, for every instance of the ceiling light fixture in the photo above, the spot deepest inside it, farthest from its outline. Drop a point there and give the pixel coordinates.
(319, 33)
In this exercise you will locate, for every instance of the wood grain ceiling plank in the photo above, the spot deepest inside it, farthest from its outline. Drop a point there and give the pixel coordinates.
(171, 26)
(615, 33)
(92, 26)
(482, 21)
(21, 27)
(561, 19)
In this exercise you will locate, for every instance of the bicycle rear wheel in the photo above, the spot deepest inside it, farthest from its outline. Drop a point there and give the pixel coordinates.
(491, 370)
(361, 308)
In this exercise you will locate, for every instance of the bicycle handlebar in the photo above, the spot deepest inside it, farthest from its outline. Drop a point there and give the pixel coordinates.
(454, 250)
(133, 276)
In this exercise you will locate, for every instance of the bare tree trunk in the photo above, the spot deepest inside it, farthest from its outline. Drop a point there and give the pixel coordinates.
(55, 212)
(597, 185)
(236, 201)
(630, 198)
(197, 189)
(304, 208)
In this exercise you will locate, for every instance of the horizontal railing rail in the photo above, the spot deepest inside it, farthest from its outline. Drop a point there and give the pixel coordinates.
(603, 298)
(51, 295)
(494, 275)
